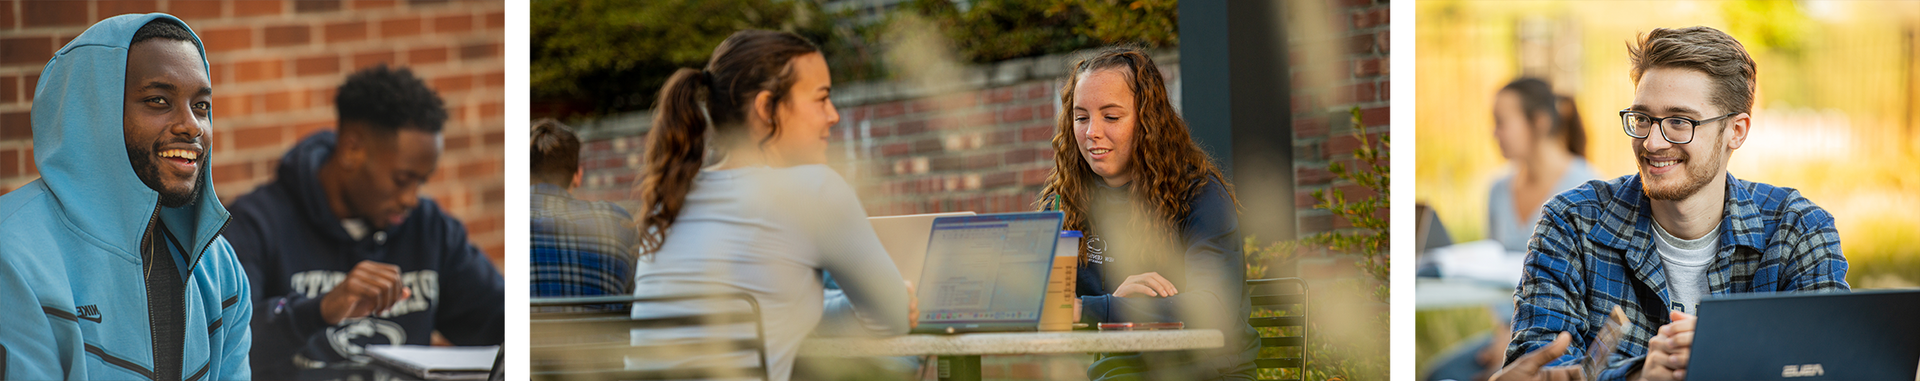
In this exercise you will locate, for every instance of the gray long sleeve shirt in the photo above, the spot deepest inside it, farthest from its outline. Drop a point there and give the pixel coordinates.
(770, 232)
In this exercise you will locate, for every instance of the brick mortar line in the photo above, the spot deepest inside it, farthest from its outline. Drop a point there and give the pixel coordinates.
(452, 41)
(258, 26)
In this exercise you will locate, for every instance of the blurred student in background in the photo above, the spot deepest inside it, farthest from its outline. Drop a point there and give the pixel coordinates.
(342, 250)
(1545, 145)
(737, 197)
(580, 248)
(1541, 136)
(1162, 224)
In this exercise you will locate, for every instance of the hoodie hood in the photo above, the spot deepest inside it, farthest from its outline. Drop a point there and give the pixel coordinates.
(79, 146)
(300, 173)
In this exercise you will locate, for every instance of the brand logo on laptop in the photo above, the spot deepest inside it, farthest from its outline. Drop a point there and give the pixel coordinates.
(1808, 370)
(91, 312)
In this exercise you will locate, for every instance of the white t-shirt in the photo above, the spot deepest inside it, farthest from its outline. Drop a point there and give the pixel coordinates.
(1686, 262)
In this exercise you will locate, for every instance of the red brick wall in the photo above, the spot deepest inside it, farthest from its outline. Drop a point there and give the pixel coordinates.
(1322, 132)
(275, 65)
(985, 150)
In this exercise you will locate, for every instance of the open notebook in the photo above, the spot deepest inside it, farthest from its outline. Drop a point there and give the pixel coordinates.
(437, 363)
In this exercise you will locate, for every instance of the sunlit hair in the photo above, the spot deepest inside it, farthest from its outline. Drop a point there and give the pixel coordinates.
(697, 103)
(1168, 168)
(1718, 55)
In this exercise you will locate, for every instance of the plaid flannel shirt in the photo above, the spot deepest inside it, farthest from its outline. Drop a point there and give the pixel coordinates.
(1593, 250)
(580, 248)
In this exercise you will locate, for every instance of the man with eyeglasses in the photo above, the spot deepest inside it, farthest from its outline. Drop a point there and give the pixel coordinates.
(1681, 229)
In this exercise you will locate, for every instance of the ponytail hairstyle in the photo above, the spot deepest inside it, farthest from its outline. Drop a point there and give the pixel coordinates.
(1169, 168)
(711, 103)
(1570, 125)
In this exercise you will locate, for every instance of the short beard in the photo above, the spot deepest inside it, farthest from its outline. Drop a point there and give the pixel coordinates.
(1698, 176)
(149, 173)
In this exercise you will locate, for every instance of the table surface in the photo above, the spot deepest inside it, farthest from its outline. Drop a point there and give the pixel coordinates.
(1013, 343)
(1430, 293)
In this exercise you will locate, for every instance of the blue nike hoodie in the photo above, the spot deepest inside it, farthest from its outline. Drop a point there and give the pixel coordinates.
(295, 251)
(73, 294)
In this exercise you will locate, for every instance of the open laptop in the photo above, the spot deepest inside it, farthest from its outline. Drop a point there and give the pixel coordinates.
(987, 272)
(1865, 335)
(905, 238)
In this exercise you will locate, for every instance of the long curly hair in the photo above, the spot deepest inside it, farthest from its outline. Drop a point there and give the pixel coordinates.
(713, 103)
(1168, 167)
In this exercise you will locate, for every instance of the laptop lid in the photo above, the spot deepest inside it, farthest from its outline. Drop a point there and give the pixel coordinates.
(1866, 335)
(987, 272)
(905, 238)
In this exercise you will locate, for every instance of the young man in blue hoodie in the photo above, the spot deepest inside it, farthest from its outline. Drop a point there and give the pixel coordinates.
(342, 251)
(111, 264)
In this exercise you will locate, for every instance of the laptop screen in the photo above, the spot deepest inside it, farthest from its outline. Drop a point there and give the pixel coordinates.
(1862, 335)
(987, 272)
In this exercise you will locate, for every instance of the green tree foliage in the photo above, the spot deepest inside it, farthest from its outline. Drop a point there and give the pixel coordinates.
(993, 30)
(615, 54)
(1153, 23)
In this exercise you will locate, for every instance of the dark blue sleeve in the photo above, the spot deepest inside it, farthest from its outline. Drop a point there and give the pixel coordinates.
(282, 322)
(1212, 287)
(472, 307)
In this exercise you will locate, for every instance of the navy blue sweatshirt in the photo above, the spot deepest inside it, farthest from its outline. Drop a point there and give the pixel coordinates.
(1210, 275)
(294, 250)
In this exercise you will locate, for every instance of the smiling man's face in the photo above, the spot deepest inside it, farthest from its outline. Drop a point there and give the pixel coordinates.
(167, 117)
(1675, 172)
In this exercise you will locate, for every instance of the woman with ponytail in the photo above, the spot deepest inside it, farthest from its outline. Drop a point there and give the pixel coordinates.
(1162, 224)
(1541, 136)
(737, 197)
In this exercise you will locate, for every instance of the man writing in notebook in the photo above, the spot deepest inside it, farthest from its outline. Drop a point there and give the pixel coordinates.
(344, 253)
(1656, 242)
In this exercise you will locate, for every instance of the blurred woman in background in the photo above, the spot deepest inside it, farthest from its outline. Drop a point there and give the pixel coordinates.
(1545, 145)
(737, 197)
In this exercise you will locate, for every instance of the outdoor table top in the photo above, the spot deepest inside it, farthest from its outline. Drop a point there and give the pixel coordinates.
(1430, 294)
(1013, 343)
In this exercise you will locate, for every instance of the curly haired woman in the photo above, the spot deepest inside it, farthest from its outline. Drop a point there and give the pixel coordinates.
(1163, 243)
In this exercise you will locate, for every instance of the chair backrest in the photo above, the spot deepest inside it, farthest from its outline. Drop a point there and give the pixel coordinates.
(579, 339)
(1280, 314)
